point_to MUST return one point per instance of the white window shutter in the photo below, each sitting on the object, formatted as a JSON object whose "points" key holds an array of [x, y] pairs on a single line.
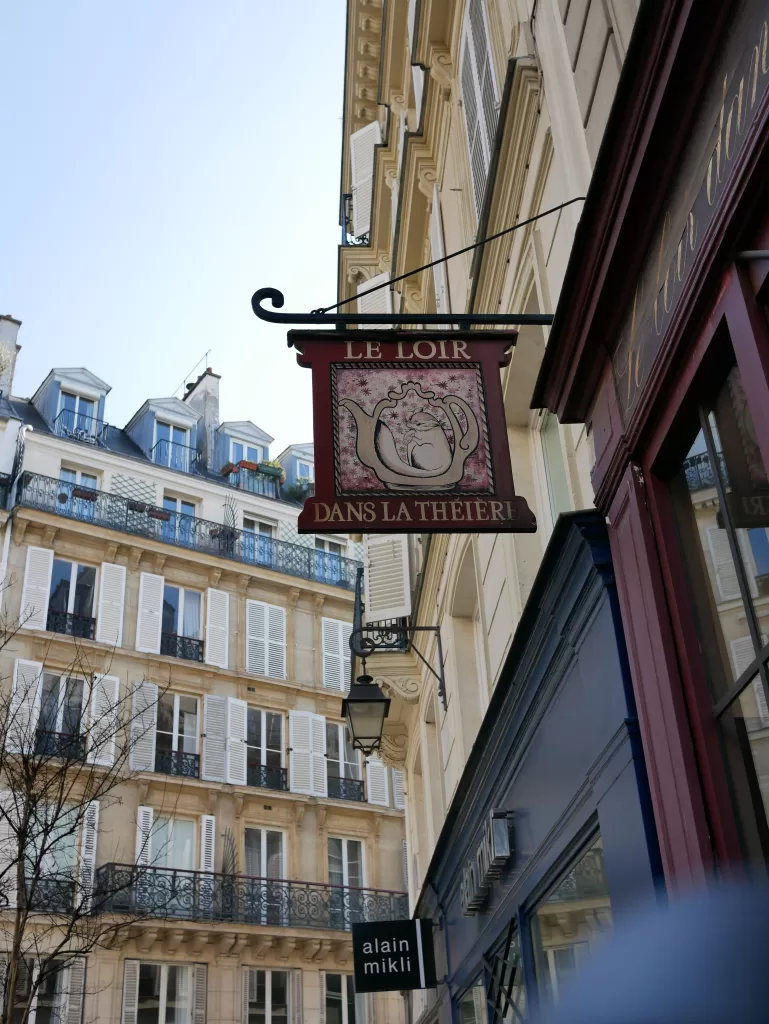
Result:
{"points": [[245, 978], [723, 564], [36, 589], [748, 561], [150, 616], [89, 830], [418, 76], [144, 818], [297, 1013], [73, 991], [144, 716], [9, 849], [335, 642], [405, 864], [237, 718], [399, 799], [386, 577], [102, 730], [322, 983], [207, 842], [217, 628], [761, 702], [319, 765], [199, 988], [109, 621], [256, 638], [362, 156], [130, 992], [377, 302], [24, 707], [743, 653], [300, 752], [276, 642], [437, 252], [214, 768], [376, 782]]}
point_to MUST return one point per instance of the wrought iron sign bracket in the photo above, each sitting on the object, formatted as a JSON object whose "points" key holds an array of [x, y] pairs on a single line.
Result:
{"points": [[395, 638]]}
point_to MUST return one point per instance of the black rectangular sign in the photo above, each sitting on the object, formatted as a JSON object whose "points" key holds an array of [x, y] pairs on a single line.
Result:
{"points": [[392, 956]]}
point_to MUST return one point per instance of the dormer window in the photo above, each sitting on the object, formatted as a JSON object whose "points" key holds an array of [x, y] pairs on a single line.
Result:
{"points": [[305, 472], [171, 447], [77, 417], [239, 451]]}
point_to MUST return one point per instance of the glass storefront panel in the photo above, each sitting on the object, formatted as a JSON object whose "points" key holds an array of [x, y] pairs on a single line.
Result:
{"points": [[573, 918], [506, 1000], [472, 1005]]}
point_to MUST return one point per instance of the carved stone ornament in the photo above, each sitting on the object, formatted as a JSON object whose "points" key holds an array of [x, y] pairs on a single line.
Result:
{"points": [[394, 744], [405, 688]]}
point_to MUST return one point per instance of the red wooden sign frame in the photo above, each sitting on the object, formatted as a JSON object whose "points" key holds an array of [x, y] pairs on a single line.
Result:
{"points": [[410, 433]]}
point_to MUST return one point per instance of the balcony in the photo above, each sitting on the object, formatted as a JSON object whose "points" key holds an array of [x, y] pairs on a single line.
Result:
{"points": [[68, 746], [80, 626], [77, 427], [254, 482], [185, 647], [51, 894], [176, 456], [699, 471], [345, 789], [239, 899], [263, 776], [128, 515], [177, 762]]}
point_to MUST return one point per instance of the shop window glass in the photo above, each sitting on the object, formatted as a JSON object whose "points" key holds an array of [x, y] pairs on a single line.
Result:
{"points": [[472, 1005], [506, 996], [555, 468], [720, 500], [574, 916]]}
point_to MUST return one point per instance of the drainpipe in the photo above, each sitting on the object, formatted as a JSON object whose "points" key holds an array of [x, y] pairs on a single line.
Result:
{"points": [[9, 523]]}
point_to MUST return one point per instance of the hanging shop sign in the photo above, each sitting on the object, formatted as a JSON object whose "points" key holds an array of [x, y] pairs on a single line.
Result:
{"points": [[491, 858], [410, 433], [393, 956]]}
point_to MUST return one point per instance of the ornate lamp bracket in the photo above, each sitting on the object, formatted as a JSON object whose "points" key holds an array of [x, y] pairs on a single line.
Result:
{"points": [[397, 637]]}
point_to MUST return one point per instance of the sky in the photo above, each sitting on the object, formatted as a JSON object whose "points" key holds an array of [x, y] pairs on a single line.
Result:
{"points": [[162, 160]]}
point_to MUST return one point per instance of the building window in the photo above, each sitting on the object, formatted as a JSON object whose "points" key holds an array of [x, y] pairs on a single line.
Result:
{"points": [[173, 844], [479, 97], [164, 995], [264, 862], [77, 414], [264, 750], [345, 862], [176, 736], [268, 997], [240, 451], [171, 447], [328, 560], [59, 995], [472, 1005], [60, 725], [72, 595], [182, 623], [719, 493], [555, 467], [571, 919], [343, 765], [342, 1005], [257, 541], [179, 528], [50, 857], [305, 472]]}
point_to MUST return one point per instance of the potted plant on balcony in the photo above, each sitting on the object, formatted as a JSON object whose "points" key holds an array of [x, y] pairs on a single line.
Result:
{"points": [[159, 513], [251, 466], [273, 468], [86, 493], [228, 468]]}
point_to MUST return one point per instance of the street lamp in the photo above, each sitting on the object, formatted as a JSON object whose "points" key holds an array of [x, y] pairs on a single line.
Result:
{"points": [[365, 708]]}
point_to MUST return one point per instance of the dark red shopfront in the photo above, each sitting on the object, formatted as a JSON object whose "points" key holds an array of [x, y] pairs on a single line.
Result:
{"points": [[661, 344]]}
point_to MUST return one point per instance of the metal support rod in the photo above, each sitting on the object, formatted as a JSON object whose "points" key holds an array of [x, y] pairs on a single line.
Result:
{"points": [[363, 647]]}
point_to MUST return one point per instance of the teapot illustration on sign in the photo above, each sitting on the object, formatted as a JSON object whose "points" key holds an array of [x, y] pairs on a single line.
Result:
{"points": [[434, 462]]}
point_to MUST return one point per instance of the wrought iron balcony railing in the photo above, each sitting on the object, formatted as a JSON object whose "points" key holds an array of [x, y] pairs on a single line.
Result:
{"points": [[345, 789], [186, 647], [177, 762], [176, 456], [137, 517], [699, 471], [80, 626], [78, 427], [52, 894], [264, 776], [66, 745], [254, 482], [200, 896]]}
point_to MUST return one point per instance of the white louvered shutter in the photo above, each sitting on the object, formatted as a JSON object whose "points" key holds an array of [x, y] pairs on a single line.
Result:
{"points": [[102, 729], [245, 978], [256, 637], [743, 653], [73, 990], [37, 588], [335, 638], [150, 616], [386, 577], [748, 561], [214, 768], [9, 850], [322, 983], [199, 990], [237, 718], [362, 155], [276, 642], [376, 782], [297, 1012], [109, 621], [380, 301], [300, 752], [144, 818], [399, 799], [207, 842], [437, 252], [24, 707], [217, 627], [130, 992], [723, 564], [761, 702], [319, 764], [144, 716], [405, 864], [479, 99], [89, 830], [418, 76]]}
